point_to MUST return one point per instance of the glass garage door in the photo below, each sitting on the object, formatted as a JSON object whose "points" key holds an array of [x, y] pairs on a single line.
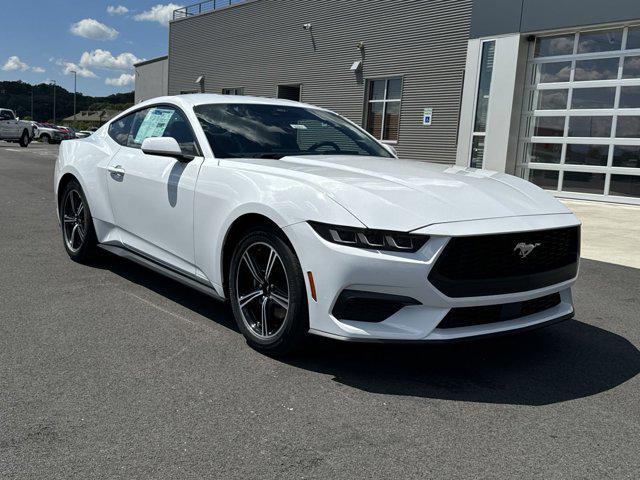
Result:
{"points": [[581, 120]]}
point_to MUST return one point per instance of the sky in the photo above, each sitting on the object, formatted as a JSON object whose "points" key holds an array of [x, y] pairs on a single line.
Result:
{"points": [[44, 40]]}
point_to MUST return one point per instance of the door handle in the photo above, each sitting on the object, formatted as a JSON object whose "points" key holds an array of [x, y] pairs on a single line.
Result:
{"points": [[117, 171]]}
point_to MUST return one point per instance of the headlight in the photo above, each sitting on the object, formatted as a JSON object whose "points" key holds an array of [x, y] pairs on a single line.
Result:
{"points": [[370, 239]]}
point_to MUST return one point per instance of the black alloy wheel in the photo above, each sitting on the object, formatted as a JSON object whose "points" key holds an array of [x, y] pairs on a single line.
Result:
{"points": [[77, 224], [268, 293]]}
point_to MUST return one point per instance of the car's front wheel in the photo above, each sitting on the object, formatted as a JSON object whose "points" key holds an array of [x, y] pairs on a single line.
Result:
{"points": [[78, 232], [268, 293], [44, 138], [24, 139]]}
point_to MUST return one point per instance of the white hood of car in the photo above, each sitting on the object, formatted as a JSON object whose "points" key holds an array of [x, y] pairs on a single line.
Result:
{"points": [[405, 195]]}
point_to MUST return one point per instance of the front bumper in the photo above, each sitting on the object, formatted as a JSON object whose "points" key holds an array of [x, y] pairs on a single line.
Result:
{"points": [[337, 268]]}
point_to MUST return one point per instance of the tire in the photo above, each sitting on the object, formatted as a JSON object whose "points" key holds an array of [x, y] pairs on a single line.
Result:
{"points": [[78, 234], [24, 139], [286, 328], [44, 138]]}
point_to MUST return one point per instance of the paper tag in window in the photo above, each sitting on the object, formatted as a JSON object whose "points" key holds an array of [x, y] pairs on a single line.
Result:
{"points": [[299, 127], [154, 124]]}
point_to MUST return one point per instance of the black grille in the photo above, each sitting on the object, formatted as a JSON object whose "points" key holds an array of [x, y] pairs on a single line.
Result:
{"points": [[492, 265], [468, 316]]}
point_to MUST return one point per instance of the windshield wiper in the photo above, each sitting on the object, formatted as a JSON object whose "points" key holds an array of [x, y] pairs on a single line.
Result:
{"points": [[274, 156]]}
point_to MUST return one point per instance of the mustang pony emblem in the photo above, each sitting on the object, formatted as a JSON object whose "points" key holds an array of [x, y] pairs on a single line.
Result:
{"points": [[525, 249]]}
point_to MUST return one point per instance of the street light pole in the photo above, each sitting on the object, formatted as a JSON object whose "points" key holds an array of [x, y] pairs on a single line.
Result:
{"points": [[75, 84], [32, 119], [53, 82]]}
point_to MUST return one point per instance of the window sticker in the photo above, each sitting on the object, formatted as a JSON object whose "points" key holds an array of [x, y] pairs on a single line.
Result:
{"points": [[154, 124]]}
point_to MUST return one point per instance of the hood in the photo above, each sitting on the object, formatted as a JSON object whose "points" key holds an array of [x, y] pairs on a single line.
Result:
{"points": [[405, 195]]}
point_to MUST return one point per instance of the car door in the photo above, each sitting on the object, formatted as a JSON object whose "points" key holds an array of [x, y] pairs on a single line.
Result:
{"points": [[152, 196], [6, 127]]}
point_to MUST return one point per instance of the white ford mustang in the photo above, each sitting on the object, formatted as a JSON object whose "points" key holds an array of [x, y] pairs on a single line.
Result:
{"points": [[307, 224]]}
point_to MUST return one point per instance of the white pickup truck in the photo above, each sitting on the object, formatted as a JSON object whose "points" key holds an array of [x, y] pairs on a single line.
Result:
{"points": [[13, 129]]}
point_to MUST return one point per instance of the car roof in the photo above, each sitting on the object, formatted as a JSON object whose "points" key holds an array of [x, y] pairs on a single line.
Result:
{"points": [[194, 99]]}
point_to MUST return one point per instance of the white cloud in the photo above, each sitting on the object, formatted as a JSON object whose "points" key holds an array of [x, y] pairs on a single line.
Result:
{"points": [[104, 59], [119, 10], [158, 13], [93, 29], [70, 67], [37, 69], [14, 63], [121, 81]]}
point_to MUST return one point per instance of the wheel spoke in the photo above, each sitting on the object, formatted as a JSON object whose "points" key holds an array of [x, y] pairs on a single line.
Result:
{"points": [[68, 219], [80, 208], [81, 233], [270, 263], [249, 297], [252, 267], [72, 204], [72, 240], [280, 300], [263, 317]]}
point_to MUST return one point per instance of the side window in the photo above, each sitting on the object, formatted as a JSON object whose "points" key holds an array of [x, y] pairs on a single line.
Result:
{"points": [[6, 115], [119, 130], [162, 122]]}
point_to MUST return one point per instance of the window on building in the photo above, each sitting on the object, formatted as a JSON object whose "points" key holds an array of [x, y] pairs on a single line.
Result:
{"points": [[581, 122], [290, 92], [482, 104], [383, 108], [233, 91]]}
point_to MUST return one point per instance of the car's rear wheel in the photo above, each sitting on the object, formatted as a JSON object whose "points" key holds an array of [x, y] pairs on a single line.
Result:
{"points": [[24, 139], [78, 233], [44, 138], [268, 293]]}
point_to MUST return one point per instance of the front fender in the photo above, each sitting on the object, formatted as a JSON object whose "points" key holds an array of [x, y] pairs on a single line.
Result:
{"points": [[223, 195]]}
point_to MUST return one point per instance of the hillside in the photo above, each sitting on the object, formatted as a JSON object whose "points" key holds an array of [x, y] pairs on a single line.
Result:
{"points": [[17, 96]]}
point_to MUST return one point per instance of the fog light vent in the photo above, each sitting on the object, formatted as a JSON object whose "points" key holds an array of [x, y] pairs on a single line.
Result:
{"points": [[373, 307]]}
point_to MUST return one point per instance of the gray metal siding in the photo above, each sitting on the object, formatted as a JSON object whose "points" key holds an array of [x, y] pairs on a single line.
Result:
{"points": [[260, 44], [151, 79], [495, 17]]}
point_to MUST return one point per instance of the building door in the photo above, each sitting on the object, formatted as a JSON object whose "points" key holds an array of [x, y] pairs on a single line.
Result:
{"points": [[289, 92], [581, 122]]}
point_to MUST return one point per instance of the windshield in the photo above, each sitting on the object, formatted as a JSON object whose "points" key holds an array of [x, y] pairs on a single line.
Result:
{"points": [[238, 130]]}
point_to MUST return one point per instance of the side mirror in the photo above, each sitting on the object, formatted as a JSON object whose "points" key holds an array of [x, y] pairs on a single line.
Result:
{"points": [[390, 149], [165, 147], [17, 119]]}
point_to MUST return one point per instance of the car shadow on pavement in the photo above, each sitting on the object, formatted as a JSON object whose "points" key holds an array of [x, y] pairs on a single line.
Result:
{"points": [[562, 362], [172, 290]]}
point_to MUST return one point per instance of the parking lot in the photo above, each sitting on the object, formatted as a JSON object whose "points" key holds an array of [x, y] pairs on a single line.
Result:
{"points": [[110, 370]]}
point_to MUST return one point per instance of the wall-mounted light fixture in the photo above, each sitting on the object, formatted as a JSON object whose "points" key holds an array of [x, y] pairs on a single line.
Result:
{"points": [[200, 81]]}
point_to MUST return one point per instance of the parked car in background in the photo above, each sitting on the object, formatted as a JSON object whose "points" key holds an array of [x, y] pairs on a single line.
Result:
{"points": [[67, 132], [48, 133], [83, 133], [12, 129]]}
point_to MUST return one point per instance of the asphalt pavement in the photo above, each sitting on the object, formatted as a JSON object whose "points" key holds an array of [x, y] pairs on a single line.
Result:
{"points": [[112, 371]]}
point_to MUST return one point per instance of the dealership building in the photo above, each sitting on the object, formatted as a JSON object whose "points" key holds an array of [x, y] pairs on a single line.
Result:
{"points": [[548, 90]]}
